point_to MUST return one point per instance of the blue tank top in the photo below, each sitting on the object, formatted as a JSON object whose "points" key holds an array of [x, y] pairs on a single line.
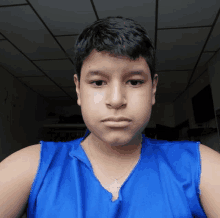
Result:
{"points": [[164, 183]]}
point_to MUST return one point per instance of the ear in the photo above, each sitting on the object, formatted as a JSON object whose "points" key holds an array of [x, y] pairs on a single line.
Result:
{"points": [[154, 88], [77, 83]]}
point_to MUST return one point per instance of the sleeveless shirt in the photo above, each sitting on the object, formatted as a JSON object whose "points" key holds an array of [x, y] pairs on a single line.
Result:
{"points": [[164, 183]]}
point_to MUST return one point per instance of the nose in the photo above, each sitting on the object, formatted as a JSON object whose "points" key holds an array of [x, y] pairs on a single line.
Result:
{"points": [[116, 96]]}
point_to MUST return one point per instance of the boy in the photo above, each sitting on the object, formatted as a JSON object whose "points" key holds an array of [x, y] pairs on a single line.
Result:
{"points": [[115, 171]]}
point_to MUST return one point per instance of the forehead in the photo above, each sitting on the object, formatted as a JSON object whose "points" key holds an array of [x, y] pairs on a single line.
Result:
{"points": [[106, 61]]}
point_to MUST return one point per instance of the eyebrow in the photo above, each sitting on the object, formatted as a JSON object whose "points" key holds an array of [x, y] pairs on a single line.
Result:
{"points": [[97, 72]]}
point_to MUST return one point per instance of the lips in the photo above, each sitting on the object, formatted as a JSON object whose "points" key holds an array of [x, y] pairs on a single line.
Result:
{"points": [[116, 119], [117, 124]]}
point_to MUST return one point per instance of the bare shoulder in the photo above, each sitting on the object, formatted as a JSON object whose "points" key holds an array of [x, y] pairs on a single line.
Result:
{"points": [[27, 157], [33, 153], [33, 150], [17, 173], [210, 181]]}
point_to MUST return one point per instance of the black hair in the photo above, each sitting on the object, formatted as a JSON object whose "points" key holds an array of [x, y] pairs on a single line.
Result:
{"points": [[118, 36]]}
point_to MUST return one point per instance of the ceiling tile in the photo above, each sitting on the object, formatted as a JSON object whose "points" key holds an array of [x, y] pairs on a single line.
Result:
{"points": [[61, 71], [65, 101], [49, 93], [166, 98], [64, 98], [71, 91], [12, 2], [1, 36], [205, 57], [183, 13], [21, 26], [66, 16], [214, 40], [173, 81], [68, 42], [142, 11], [201, 65], [38, 81], [43, 85], [202, 76], [179, 49], [16, 62], [197, 73]]}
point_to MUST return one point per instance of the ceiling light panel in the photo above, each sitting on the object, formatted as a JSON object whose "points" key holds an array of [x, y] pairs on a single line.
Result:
{"points": [[66, 16], [16, 62], [142, 11], [214, 40], [12, 2], [61, 71], [182, 13], [179, 49], [23, 28]]}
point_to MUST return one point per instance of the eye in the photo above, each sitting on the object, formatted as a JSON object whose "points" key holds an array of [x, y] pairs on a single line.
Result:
{"points": [[139, 81], [97, 81], [133, 81]]}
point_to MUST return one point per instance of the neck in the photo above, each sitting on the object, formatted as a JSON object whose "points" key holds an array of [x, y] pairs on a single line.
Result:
{"points": [[106, 152]]}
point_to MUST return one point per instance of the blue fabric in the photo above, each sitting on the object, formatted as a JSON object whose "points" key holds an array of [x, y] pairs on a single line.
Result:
{"points": [[164, 183]]}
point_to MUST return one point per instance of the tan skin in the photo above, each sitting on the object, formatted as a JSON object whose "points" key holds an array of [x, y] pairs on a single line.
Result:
{"points": [[116, 95]]}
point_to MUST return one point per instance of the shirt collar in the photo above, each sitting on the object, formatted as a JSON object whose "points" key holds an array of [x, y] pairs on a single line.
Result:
{"points": [[78, 152]]}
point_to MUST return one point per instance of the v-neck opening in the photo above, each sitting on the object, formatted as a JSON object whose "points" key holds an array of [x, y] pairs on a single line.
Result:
{"points": [[131, 173]]}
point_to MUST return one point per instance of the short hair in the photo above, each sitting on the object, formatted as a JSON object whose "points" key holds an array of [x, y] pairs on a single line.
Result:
{"points": [[118, 36]]}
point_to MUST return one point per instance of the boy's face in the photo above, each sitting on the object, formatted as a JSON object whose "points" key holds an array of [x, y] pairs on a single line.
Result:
{"points": [[115, 96]]}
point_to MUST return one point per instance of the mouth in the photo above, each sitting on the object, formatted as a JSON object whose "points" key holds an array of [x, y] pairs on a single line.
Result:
{"points": [[121, 124], [116, 119]]}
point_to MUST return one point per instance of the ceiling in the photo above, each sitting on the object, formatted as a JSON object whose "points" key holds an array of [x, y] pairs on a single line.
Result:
{"points": [[37, 39]]}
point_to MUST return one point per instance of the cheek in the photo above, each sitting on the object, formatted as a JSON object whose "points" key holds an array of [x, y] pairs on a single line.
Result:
{"points": [[91, 97], [142, 107], [98, 97], [140, 99]]}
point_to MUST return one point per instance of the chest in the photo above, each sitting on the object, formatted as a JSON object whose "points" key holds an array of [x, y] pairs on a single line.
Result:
{"points": [[107, 178], [148, 192]]}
